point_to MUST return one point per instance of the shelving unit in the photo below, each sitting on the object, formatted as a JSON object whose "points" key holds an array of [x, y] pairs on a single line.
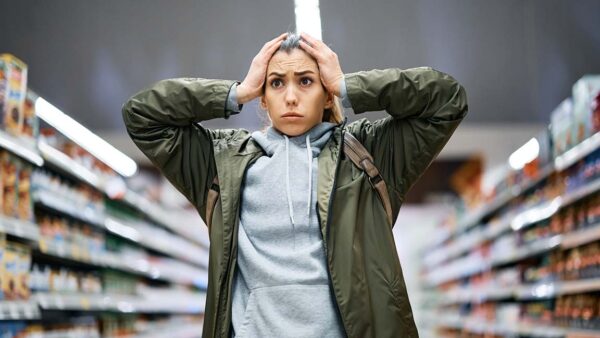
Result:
{"points": [[464, 266], [169, 258]]}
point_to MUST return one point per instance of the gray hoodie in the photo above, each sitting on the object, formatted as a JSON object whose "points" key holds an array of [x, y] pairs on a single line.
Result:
{"points": [[281, 286]]}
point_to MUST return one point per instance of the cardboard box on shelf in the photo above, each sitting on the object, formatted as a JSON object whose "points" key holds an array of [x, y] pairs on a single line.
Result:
{"points": [[31, 127], [8, 170], [586, 94], [561, 127], [13, 89], [3, 274], [24, 202]]}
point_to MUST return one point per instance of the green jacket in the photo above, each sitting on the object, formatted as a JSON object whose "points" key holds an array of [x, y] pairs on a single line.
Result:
{"points": [[425, 107]]}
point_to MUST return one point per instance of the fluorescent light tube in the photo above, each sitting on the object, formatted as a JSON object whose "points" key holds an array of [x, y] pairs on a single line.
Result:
{"points": [[89, 141], [308, 17], [527, 153]]}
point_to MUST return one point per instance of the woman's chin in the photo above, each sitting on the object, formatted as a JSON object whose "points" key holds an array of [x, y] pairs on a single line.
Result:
{"points": [[293, 129]]}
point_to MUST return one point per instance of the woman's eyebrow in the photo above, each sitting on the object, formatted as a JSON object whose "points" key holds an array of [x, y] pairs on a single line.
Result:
{"points": [[295, 73]]}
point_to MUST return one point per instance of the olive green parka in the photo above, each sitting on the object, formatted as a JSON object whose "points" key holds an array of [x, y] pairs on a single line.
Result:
{"points": [[424, 105]]}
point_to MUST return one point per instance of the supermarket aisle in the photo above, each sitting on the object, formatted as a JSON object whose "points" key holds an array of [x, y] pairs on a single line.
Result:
{"points": [[523, 259]]}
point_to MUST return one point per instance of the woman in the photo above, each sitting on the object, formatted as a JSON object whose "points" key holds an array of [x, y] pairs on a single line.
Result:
{"points": [[300, 242]]}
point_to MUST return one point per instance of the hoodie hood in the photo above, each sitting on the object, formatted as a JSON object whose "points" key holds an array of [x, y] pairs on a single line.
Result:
{"points": [[271, 139], [313, 141]]}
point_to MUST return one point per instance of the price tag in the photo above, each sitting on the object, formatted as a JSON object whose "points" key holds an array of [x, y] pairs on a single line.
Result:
{"points": [[43, 245], [18, 228], [85, 303], [60, 302], [13, 310], [75, 252]]}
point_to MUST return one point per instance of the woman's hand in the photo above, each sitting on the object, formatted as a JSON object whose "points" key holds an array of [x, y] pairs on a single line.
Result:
{"points": [[327, 60], [251, 87]]}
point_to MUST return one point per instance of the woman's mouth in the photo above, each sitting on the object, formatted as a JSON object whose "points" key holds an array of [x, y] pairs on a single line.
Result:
{"points": [[291, 116]]}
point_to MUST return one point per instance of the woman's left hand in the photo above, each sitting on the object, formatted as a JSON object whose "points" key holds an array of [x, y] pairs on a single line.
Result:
{"points": [[327, 60]]}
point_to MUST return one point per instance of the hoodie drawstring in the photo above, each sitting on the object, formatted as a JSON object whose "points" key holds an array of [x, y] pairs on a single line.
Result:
{"points": [[309, 154], [287, 182]]}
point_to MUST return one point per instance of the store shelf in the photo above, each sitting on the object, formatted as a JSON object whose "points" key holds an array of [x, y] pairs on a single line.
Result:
{"points": [[520, 221], [19, 310], [468, 266], [478, 325], [158, 214], [467, 242], [580, 237], [553, 289], [67, 165], [118, 303], [164, 242], [122, 229], [562, 162], [186, 330], [154, 211], [501, 200], [19, 228], [191, 276], [578, 152], [24, 148], [520, 292], [528, 250], [84, 214], [80, 302]]}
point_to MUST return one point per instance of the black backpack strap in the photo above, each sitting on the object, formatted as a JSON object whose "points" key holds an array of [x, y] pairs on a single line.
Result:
{"points": [[363, 159]]}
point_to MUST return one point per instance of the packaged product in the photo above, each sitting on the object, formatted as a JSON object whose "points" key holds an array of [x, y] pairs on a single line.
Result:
{"points": [[24, 202], [11, 267], [9, 184], [13, 89], [3, 156], [561, 121], [3, 274], [586, 96], [24, 265], [31, 127]]}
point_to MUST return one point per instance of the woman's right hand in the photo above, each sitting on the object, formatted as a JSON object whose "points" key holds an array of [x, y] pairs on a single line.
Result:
{"points": [[251, 87]]}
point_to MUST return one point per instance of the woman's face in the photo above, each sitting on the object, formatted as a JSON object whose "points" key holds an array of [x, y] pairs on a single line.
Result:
{"points": [[294, 96]]}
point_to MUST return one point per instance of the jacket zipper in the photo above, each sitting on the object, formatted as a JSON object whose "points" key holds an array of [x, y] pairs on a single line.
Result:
{"points": [[327, 225]]}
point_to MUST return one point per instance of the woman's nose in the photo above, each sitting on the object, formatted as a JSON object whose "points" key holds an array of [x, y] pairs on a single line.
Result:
{"points": [[290, 95]]}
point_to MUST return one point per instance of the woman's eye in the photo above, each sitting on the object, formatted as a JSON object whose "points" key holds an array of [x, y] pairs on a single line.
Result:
{"points": [[276, 83], [305, 81]]}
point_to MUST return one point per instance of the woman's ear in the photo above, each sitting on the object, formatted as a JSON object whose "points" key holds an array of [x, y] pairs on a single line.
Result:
{"points": [[329, 100], [263, 103]]}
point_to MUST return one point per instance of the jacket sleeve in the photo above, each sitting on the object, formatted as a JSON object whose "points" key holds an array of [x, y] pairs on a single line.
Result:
{"points": [[425, 107], [163, 122]]}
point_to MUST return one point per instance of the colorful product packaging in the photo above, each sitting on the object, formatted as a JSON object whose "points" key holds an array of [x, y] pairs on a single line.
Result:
{"points": [[3, 274], [16, 263], [31, 126], [8, 170], [13, 90], [24, 201], [561, 121], [586, 108]]}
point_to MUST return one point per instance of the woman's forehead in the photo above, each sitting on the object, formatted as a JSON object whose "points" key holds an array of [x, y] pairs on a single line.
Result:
{"points": [[295, 61]]}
